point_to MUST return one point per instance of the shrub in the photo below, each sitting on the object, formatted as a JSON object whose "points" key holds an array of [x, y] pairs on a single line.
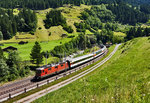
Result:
{"points": [[40, 28]]}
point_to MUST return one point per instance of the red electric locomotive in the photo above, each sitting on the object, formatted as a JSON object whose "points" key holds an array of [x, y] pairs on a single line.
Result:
{"points": [[48, 70]]}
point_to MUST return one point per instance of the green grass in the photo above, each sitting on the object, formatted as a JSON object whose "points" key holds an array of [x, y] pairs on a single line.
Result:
{"points": [[124, 78], [120, 34], [57, 81], [88, 32], [25, 50]]}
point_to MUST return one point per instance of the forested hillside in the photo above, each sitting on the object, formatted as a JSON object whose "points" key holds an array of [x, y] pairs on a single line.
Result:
{"points": [[10, 24], [43, 4], [55, 18], [128, 15], [98, 17]]}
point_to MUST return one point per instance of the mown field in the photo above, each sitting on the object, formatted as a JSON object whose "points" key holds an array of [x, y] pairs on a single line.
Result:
{"points": [[25, 50], [124, 78]]}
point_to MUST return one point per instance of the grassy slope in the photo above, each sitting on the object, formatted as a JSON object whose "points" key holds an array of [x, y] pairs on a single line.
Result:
{"points": [[124, 78], [72, 14], [119, 34]]}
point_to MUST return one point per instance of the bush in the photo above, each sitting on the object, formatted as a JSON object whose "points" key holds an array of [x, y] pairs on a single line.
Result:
{"points": [[50, 33], [12, 77], [71, 36], [31, 32], [40, 28], [22, 72]]}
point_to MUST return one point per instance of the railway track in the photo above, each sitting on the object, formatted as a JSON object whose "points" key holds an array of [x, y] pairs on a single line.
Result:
{"points": [[17, 88], [65, 82]]}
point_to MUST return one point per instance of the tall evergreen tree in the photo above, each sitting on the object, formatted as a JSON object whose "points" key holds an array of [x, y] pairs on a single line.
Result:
{"points": [[36, 54]]}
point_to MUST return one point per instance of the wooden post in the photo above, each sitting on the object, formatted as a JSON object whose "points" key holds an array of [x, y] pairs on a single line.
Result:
{"points": [[25, 90], [47, 81], [9, 96], [37, 85], [56, 78]]}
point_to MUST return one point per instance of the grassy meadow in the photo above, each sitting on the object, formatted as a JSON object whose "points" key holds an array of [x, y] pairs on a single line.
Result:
{"points": [[124, 78], [25, 50]]}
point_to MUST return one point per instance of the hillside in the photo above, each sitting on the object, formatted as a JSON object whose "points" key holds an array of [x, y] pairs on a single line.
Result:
{"points": [[124, 78], [71, 13]]}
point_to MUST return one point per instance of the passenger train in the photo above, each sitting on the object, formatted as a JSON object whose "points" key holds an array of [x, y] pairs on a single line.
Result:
{"points": [[47, 70]]}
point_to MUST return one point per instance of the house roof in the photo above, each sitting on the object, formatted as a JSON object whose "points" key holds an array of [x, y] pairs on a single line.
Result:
{"points": [[10, 48]]}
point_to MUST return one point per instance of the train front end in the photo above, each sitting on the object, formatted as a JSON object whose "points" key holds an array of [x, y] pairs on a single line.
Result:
{"points": [[38, 74]]}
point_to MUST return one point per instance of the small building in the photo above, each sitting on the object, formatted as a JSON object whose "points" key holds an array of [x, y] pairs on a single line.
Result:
{"points": [[64, 35], [22, 42], [108, 44], [9, 48]]}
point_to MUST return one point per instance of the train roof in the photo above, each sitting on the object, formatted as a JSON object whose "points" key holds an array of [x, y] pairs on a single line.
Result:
{"points": [[81, 57], [43, 67], [85, 56], [46, 66]]}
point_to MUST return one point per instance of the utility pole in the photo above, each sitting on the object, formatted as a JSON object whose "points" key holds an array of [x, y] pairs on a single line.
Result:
{"points": [[46, 58], [65, 59], [85, 40]]}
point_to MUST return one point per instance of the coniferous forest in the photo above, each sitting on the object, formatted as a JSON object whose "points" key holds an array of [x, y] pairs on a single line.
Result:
{"points": [[43, 4], [10, 24], [55, 18]]}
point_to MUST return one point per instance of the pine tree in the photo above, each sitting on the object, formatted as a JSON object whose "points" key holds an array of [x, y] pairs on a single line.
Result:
{"points": [[36, 55]]}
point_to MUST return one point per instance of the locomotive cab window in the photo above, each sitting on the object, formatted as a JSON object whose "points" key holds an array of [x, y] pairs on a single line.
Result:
{"points": [[62, 65], [56, 67], [43, 71], [49, 69], [38, 71]]}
